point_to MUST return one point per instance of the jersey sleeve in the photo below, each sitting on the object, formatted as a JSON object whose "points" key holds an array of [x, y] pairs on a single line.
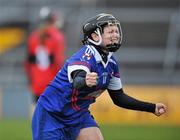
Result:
{"points": [[80, 61], [78, 65], [115, 81]]}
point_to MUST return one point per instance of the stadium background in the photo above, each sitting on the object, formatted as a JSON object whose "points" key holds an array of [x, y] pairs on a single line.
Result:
{"points": [[149, 61]]}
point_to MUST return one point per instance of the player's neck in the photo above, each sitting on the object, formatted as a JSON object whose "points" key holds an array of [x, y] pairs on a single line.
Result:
{"points": [[103, 53]]}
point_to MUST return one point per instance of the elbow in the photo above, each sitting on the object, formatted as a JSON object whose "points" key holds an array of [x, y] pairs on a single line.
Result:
{"points": [[116, 102], [77, 86]]}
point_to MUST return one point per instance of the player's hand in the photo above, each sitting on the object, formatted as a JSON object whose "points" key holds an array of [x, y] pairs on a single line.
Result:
{"points": [[160, 109], [91, 79]]}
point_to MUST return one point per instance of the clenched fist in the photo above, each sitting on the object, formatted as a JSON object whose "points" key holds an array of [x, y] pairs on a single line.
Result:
{"points": [[91, 79], [160, 109]]}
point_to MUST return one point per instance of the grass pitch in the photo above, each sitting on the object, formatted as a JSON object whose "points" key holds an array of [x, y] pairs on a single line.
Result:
{"points": [[21, 130], [141, 132]]}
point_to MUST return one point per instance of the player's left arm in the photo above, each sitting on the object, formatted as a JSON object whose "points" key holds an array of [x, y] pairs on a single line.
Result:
{"points": [[123, 100]]}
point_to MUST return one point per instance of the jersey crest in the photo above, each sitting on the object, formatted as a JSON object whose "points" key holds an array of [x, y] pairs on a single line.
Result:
{"points": [[87, 55]]}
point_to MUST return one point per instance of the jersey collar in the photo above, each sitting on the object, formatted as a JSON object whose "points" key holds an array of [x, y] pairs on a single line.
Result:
{"points": [[98, 56]]}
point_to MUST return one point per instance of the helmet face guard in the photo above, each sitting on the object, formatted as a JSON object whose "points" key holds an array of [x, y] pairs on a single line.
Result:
{"points": [[96, 25]]}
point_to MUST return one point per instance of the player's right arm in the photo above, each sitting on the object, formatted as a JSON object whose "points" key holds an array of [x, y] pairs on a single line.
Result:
{"points": [[82, 79]]}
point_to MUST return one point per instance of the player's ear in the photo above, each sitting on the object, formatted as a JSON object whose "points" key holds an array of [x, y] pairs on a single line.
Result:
{"points": [[95, 37]]}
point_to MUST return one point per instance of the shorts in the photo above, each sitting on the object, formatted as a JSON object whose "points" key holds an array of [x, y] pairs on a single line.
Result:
{"points": [[47, 127]]}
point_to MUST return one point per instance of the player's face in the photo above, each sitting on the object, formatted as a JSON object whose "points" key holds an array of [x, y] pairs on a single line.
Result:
{"points": [[110, 35]]}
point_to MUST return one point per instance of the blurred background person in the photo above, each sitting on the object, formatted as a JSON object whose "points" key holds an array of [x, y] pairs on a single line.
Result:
{"points": [[45, 52]]}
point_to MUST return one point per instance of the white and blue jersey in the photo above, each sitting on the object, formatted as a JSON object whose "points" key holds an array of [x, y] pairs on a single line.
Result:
{"points": [[70, 100], [65, 104]]}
